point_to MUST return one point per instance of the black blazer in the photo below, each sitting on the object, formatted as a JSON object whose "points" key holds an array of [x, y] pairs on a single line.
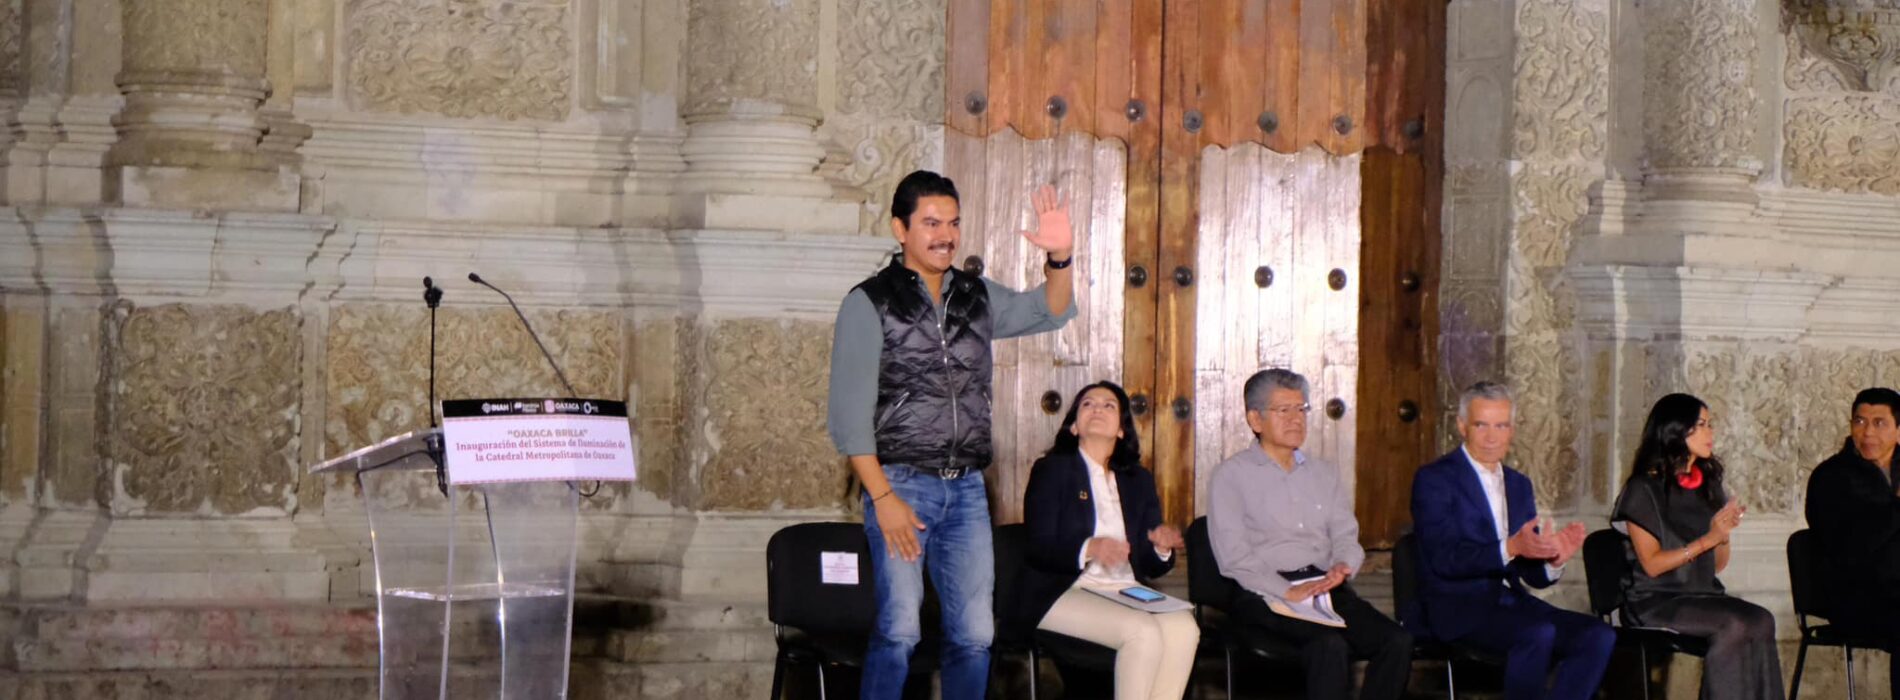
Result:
{"points": [[1856, 521], [1059, 510]]}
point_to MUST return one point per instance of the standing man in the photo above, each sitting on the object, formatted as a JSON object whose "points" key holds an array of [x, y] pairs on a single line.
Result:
{"points": [[1277, 515], [910, 407], [1854, 510], [1473, 570]]}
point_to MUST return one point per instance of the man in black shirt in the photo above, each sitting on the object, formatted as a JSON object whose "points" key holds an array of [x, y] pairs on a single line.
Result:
{"points": [[1854, 511]]}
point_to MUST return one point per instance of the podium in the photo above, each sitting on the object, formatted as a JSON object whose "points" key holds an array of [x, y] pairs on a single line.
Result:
{"points": [[475, 588]]}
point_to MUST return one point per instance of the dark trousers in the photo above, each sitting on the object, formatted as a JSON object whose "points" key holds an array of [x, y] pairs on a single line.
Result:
{"points": [[1536, 638], [1327, 652], [1742, 663]]}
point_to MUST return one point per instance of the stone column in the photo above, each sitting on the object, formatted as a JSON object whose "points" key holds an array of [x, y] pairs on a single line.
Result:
{"points": [[190, 132], [751, 109], [1700, 103]]}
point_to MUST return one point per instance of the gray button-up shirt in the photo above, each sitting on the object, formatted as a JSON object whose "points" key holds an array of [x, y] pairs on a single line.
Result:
{"points": [[1263, 519], [857, 349]]}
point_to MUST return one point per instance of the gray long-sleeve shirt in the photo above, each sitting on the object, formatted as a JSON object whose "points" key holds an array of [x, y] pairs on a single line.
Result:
{"points": [[1263, 519], [857, 350]]}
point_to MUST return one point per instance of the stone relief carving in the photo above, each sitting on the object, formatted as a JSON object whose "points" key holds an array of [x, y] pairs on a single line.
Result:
{"points": [[498, 59], [1848, 143], [761, 395], [378, 355], [658, 387], [1563, 79], [204, 408], [1541, 369], [1550, 200], [1861, 38], [881, 153], [1803, 71], [891, 58], [1748, 396], [12, 32], [1699, 104], [195, 36], [777, 62]]}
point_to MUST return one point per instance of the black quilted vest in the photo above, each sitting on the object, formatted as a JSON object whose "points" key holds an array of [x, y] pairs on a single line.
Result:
{"points": [[933, 385]]}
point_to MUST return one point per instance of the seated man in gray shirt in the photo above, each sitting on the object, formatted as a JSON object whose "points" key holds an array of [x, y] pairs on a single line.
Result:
{"points": [[1276, 515]]}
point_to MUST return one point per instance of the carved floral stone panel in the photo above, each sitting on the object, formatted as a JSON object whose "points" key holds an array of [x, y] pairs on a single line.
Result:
{"points": [[1542, 369], [12, 47], [204, 36], [891, 58], [761, 393], [497, 59], [1699, 90], [204, 409], [1845, 143], [1563, 79], [753, 53], [378, 356]]}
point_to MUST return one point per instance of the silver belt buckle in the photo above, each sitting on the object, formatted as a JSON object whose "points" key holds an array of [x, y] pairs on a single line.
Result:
{"points": [[950, 474]]}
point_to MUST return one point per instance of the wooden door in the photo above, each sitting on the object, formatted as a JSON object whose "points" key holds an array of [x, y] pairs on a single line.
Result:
{"points": [[1254, 184]]}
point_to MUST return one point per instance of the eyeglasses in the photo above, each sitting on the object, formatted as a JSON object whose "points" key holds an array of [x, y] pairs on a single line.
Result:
{"points": [[1290, 409]]}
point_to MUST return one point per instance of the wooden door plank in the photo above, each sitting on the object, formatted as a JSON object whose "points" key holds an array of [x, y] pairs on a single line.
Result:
{"points": [[967, 64], [1141, 246], [1349, 75], [1318, 104], [1219, 67], [1006, 30], [1245, 73], [1282, 74], [1180, 177], [1114, 69]]}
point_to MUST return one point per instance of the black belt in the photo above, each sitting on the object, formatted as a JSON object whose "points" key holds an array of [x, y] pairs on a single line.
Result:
{"points": [[946, 474]]}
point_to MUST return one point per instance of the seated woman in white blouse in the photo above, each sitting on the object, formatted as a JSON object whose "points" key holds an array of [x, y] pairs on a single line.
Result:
{"points": [[1094, 521]]}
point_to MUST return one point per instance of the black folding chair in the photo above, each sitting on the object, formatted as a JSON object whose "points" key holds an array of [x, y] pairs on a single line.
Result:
{"points": [[1605, 567], [1012, 547], [1405, 597], [823, 624], [1212, 595], [1804, 571]]}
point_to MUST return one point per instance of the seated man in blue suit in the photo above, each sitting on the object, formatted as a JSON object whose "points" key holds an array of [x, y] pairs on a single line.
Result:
{"points": [[1472, 574]]}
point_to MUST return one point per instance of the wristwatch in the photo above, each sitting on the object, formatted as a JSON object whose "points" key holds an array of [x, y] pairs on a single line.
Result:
{"points": [[1064, 265]]}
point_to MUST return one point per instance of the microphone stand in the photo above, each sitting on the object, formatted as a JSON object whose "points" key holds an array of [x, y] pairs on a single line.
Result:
{"points": [[432, 295], [536, 337]]}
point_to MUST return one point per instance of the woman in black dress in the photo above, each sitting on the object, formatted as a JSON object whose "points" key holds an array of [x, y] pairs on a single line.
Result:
{"points": [[1678, 518]]}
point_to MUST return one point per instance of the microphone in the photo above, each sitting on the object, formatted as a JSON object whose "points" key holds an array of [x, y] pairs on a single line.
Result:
{"points": [[472, 277], [431, 295]]}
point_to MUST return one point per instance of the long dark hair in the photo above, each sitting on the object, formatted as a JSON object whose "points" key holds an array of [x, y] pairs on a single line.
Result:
{"points": [[1666, 446], [1127, 453]]}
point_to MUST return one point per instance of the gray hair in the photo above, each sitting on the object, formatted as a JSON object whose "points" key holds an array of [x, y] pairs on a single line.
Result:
{"points": [[1489, 391], [1265, 381]]}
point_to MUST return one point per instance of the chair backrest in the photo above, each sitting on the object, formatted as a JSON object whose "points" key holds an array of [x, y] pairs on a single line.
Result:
{"points": [[795, 591], [1011, 545], [1206, 585], [1606, 566], [1405, 574], [1804, 577]]}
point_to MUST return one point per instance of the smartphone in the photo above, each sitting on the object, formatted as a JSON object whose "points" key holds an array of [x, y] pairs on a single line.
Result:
{"points": [[1144, 595]]}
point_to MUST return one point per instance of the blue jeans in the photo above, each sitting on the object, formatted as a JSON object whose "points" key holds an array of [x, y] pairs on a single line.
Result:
{"points": [[956, 547]]}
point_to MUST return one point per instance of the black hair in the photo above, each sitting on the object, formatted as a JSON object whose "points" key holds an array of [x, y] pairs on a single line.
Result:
{"points": [[1665, 446], [918, 185], [1127, 453], [1877, 396]]}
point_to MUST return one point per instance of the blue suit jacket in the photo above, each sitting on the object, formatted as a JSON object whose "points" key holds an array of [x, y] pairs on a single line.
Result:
{"points": [[1060, 515], [1462, 572]]}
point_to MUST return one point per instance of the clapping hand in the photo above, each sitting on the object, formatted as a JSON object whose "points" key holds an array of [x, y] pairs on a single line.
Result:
{"points": [[1531, 544], [1569, 540], [1727, 519], [1110, 553], [1053, 234], [1167, 538]]}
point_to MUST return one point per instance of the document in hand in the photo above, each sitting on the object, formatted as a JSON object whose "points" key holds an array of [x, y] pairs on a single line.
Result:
{"points": [[1317, 609]]}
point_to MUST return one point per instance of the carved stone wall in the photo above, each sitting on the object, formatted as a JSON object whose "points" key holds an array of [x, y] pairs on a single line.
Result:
{"points": [[889, 114], [742, 53], [193, 77], [1699, 100], [759, 394], [204, 410], [1837, 137], [497, 59]]}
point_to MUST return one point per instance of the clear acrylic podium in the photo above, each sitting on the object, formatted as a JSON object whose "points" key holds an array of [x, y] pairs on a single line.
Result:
{"points": [[474, 590]]}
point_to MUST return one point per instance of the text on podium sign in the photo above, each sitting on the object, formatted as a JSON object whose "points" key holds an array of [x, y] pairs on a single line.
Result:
{"points": [[489, 441]]}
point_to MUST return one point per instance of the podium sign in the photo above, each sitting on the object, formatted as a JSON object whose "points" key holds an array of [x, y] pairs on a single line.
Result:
{"points": [[488, 441]]}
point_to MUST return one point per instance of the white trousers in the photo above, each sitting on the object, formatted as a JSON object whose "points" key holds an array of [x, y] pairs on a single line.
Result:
{"points": [[1154, 653]]}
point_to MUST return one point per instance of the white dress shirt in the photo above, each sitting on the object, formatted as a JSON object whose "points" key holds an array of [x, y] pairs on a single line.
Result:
{"points": [[1491, 477], [1108, 523]]}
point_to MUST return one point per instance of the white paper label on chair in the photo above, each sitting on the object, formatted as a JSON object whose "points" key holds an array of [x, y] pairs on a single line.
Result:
{"points": [[503, 440], [839, 568]]}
